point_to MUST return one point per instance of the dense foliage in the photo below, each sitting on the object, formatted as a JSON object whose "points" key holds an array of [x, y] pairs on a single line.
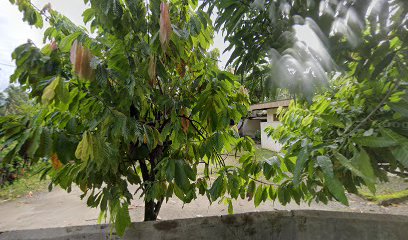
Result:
{"points": [[358, 130], [12, 101], [140, 100], [289, 44]]}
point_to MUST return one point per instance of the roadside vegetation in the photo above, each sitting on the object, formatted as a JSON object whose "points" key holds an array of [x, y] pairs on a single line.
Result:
{"points": [[394, 191], [27, 184], [13, 101]]}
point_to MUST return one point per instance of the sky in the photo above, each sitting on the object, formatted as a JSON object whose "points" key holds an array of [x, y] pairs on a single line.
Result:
{"points": [[14, 32]]}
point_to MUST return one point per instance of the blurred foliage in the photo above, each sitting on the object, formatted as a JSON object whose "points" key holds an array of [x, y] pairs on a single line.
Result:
{"points": [[291, 44], [344, 136], [27, 184], [359, 127], [13, 100]]}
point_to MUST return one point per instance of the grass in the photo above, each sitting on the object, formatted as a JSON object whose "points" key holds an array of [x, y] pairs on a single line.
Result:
{"points": [[386, 199], [387, 193], [29, 182]]}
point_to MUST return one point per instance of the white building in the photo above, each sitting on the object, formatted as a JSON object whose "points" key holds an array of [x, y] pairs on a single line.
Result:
{"points": [[263, 115]]}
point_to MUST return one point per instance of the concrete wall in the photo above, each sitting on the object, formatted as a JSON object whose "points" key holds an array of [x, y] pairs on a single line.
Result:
{"points": [[277, 225], [270, 115], [268, 142], [250, 127]]}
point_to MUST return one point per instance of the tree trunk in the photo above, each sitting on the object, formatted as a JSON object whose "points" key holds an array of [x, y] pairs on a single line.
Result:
{"points": [[152, 210]]}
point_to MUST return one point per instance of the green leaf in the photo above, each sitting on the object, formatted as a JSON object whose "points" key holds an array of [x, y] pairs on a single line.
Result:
{"points": [[267, 169], [171, 169], [49, 91], [234, 184], [191, 174], [307, 120], [401, 154], [393, 135], [66, 42], [195, 26], [258, 196], [84, 150], [230, 207], [180, 176], [65, 147], [400, 107], [382, 65], [39, 23], [334, 120], [362, 161], [272, 193], [179, 193], [122, 219], [375, 142], [251, 190], [34, 142], [300, 164], [333, 184], [88, 14], [217, 188], [46, 143], [151, 141], [20, 142], [348, 165]]}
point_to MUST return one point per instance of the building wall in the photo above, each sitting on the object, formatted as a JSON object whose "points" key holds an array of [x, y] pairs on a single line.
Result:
{"points": [[270, 115], [250, 127], [266, 141]]}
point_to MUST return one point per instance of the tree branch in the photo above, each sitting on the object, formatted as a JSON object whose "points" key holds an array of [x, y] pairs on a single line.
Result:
{"points": [[192, 121], [265, 183], [389, 92]]}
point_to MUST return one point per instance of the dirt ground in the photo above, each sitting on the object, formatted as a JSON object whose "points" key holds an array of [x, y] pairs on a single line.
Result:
{"points": [[59, 209]]}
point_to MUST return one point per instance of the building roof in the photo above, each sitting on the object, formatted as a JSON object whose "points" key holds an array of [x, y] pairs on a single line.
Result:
{"points": [[269, 105]]}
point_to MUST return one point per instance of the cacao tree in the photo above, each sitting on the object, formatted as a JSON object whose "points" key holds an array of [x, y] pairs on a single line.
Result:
{"points": [[139, 100]]}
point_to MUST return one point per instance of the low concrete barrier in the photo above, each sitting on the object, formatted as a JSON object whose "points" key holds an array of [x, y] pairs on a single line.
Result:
{"points": [[276, 225]]}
